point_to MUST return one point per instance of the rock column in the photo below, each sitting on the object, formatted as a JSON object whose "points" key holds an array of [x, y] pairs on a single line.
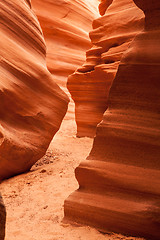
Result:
{"points": [[120, 180], [90, 84], [32, 105]]}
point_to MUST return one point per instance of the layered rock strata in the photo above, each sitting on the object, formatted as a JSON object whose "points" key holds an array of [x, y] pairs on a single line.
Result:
{"points": [[89, 85], [32, 105], [2, 219], [66, 25], [120, 180]]}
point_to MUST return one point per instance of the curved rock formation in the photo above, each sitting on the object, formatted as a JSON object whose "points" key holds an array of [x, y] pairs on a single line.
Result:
{"points": [[32, 105], [120, 180], [2, 219], [89, 85], [66, 25]]}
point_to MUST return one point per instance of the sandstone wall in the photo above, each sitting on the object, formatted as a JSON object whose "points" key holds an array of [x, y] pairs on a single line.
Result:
{"points": [[32, 105], [120, 180], [66, 26], [89, 85]]}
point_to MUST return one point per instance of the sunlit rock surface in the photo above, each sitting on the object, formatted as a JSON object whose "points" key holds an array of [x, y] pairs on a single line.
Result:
{"points": [[89, 85], [120, 180], [32, 106], [66, 25]]}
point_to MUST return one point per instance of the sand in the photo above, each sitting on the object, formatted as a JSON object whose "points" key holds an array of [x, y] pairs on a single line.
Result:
{"points": [[34, 200]]}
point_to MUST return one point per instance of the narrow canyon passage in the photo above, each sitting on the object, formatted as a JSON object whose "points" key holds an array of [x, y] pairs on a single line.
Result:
{"points": [[109, 179], [35, 200]]}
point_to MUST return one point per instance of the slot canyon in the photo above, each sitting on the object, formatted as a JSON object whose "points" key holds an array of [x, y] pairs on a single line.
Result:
{"points": [[79, 120]]}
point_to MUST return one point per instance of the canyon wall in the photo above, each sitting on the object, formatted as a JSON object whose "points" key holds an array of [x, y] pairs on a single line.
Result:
{"points": [[2, 219], [119, 183], [66, 26], [89, 85], [32, 105]]}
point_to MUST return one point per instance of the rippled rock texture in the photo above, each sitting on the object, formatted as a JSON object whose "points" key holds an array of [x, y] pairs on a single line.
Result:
{"points": [[120, 180], [2, 219], [90, 84], [66, 24], [32, 105]]}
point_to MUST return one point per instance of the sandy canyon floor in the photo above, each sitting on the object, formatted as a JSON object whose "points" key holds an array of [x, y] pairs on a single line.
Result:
{"points": [[34, 200]]}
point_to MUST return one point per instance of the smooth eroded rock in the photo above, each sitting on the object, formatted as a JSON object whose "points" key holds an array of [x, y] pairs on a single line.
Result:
{"points": [[90, 84], [32, 105], [120, 180], [66, 25]]}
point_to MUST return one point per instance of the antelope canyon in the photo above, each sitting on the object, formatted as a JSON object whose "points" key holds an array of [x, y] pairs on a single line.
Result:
{"points": [[65, 26], [103, 56], [119, 183], [90, 84], [32, 105]]}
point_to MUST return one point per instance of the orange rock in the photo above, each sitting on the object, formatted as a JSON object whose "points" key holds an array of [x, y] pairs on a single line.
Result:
{"points": [[89, 85], [66, 25], [104, 5], [120, 180], [32, 105]]}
